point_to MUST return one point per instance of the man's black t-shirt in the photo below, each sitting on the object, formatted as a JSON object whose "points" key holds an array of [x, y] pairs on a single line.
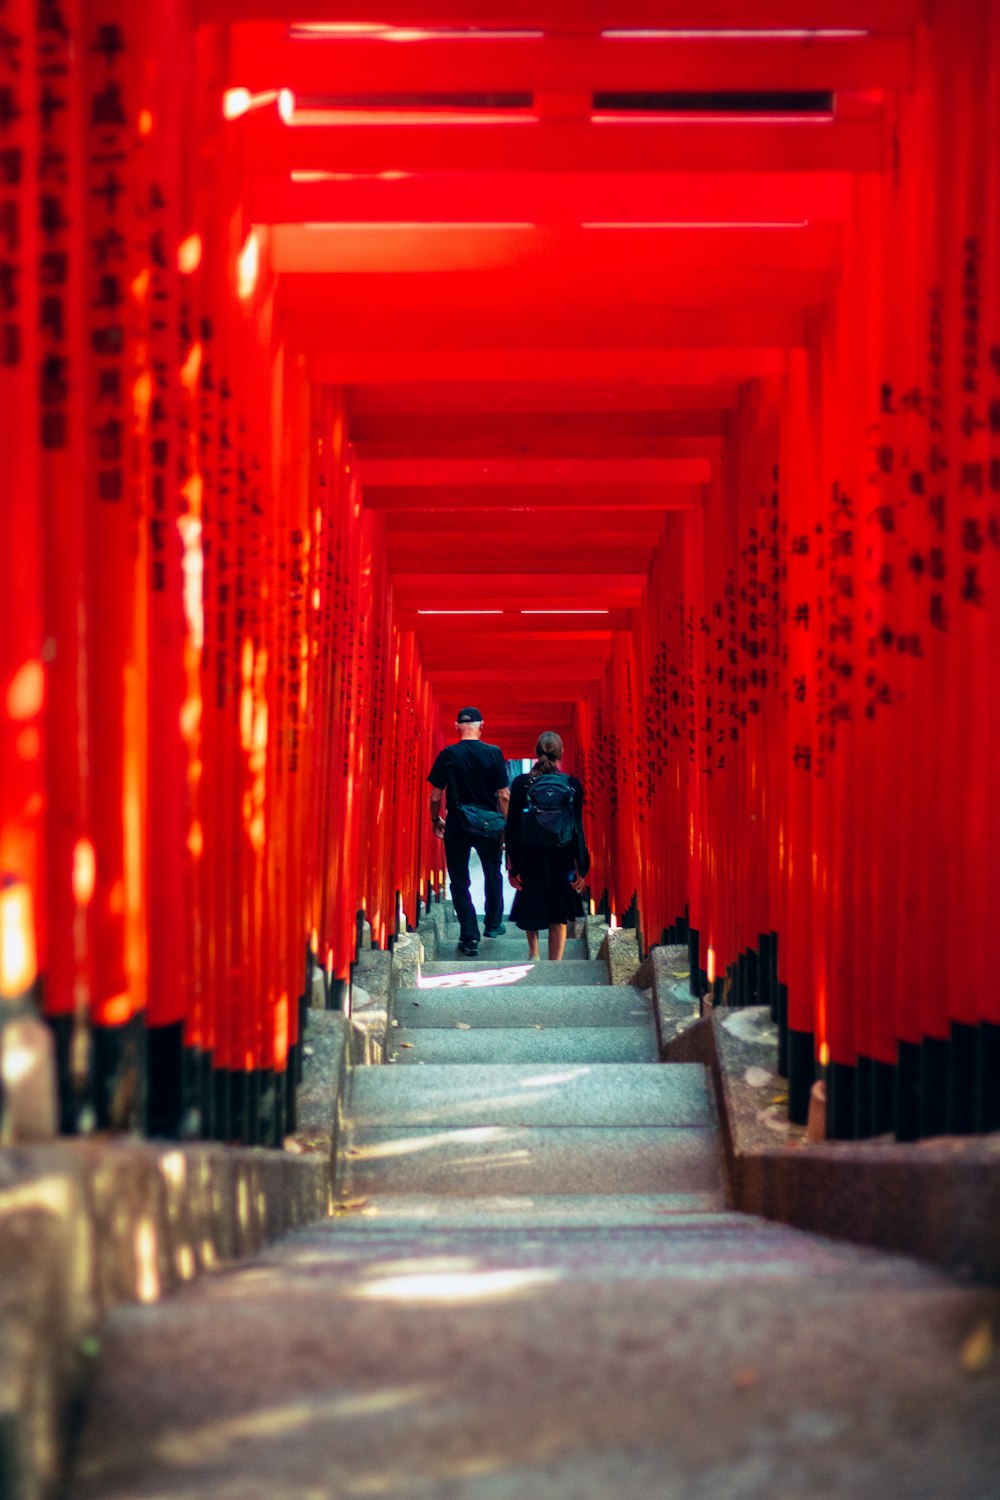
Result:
{"points": [[477, 772]]}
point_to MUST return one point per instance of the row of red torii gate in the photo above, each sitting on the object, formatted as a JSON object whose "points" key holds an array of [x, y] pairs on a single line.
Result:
{"points": [[635, 375]]}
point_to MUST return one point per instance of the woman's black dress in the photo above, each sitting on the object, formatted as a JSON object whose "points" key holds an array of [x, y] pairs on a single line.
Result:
{"points": [[546, 895]]}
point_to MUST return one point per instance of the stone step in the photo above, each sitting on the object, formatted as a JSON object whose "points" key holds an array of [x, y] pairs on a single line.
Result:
{"points": [[405, 1213], [494, 1159], [476, 974], [607, 1095], [513, 947], [511, 1044], [690, 1356], [524, 1005]]}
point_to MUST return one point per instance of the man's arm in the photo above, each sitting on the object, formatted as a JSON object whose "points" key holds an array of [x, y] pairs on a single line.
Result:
{"points": [[436, 818], [503, 799]]}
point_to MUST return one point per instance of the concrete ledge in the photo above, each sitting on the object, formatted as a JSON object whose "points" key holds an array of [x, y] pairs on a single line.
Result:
{"points": [[938, 1200], [88, 1225], [333, 1045], [370, 989]]}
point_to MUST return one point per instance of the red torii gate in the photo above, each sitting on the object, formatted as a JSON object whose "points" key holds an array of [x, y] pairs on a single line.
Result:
{"points": [[313, 334]]}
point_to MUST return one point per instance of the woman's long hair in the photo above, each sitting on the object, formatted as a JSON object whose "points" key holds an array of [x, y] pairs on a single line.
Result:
{"points": [[549, 751]]}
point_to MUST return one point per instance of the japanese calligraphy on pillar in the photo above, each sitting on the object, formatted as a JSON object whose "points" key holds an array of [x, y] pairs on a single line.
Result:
{"points": [[14, 168], [55, 121], [109, 253]]}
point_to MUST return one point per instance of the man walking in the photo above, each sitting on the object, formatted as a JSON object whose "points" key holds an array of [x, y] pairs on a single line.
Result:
{"points": [[475, 776]]}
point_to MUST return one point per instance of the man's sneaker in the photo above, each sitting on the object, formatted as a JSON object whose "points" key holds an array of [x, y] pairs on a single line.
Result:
{"points": [[494, 931], [468, 950]]}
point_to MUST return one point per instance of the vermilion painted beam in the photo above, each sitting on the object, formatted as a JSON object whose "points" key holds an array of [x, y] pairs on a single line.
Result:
{"points": [[561, 328], [625, 364], [538, 400], [574, 146], [261, 58], [502, 682], [575, 17], [527, 262], [516, 525], [499, 627], [590, 497], [541, 198], [436, 647], [430, 472], [666, 434], [515, 591], [613, 563]]}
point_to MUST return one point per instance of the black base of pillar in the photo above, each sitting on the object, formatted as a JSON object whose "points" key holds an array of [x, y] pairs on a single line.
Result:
{"points": [[801, 1074], [782, 1020], [236, 1092], [303, 1029], [962, 1058], [765, 994], [117, 1082], [841, 1101], [693, 963], [165, 1075], [907, 1101], [753, 977], [883, 1097], [292, 1092], [266, 1107], [251, 1108], [933, 1087], [336, 998], [69, 1105], [864, 1090], [988, 1078]]}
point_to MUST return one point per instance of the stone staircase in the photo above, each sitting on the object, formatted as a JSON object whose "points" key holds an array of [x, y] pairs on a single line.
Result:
{"points": [[533, 1290]]}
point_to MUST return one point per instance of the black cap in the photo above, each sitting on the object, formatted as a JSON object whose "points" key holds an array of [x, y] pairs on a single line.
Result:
{"points": [[469, 716]]}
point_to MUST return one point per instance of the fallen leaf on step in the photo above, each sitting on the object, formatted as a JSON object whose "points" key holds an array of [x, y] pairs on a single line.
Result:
{"points": [[539, 1028], [415, 1002], [369, 1213], [406, 1044], [680, 973], [978, 1349], [462, 1026], [349, 1205], [394, 1021], [779, 1099], [745, 1378], [308, 1051]]}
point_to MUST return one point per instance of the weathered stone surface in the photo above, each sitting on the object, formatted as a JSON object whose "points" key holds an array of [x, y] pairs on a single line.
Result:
{"points": [[938, 1200], [620, 948], [531, 1159], [511, 1044], [606, 1095], [721, 1360], [88, 1225]]}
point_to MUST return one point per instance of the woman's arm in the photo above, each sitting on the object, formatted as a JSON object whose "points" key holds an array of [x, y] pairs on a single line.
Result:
{"points": [[580, 838], [512, 837]]}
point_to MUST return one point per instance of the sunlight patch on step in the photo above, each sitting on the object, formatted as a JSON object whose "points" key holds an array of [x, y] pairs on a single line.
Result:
{"points": [[475, 979], [453, 1286]]}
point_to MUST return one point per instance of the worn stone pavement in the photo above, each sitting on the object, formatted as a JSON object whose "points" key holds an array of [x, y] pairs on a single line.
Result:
{"points": [[534, 1289]]}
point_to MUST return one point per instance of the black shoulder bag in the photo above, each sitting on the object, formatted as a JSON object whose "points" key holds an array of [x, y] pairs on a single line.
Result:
{"points": [[480, 822]]}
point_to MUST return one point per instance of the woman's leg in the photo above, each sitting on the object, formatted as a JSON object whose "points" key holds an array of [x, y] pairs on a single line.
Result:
{"points": [[557, 940], [532, 944]]}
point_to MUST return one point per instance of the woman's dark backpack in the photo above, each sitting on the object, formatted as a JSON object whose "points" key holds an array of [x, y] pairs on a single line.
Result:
{"points": [[547, 820]]}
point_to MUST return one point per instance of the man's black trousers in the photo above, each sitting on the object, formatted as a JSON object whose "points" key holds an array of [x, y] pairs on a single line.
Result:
{"points": [[457, 847]]}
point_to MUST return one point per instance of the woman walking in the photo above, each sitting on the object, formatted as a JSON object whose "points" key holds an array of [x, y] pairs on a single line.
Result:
{"points": [[547, 858]]}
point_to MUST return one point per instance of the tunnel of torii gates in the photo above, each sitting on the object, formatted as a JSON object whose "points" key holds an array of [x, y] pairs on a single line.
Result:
{"points": [[628, 368]]}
